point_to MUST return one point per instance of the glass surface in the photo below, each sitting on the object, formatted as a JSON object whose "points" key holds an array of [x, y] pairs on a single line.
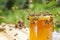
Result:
{"points": [[44, 28]]}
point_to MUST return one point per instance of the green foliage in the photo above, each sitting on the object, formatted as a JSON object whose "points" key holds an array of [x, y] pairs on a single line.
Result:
{"points": [[56, 28], [1, 20], [51, 4], [11, 16]]}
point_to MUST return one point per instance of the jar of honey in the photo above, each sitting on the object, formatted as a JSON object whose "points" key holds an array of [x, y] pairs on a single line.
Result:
{"points": [[41, 27]]}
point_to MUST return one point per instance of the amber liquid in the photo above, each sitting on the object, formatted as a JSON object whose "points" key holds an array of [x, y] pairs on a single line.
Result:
{"points": [[33, 35], [44, 30]]}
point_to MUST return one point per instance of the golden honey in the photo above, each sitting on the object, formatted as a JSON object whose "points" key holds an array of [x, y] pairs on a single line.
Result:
{"points": [[33, 35], [44, 28]]}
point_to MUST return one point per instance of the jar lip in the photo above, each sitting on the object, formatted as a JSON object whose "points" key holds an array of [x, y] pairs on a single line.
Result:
{"points": [[35, 14], [47, 14], [41, 16]]}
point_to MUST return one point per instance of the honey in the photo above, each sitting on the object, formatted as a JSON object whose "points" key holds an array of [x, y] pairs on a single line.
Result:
{"points": [[44, 29], [33, 35]]}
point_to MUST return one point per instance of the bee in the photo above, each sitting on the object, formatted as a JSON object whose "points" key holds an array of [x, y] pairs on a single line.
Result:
{"points": [[47, 2], [14, 39], [28, 16], [20, 25], [15, 34], [46, 22], [54, 7], [51, 19], [10, 29], [56, 15], [2, 29]]}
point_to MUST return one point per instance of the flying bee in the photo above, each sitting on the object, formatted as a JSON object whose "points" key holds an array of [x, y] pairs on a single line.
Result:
{"points": [[57, 14], [47, 2]]}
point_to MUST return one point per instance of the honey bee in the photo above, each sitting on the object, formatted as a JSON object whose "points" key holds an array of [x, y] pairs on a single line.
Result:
{"points": [[2, 29], [15, 34], [46, 22], [47, 2], [29, 15], [58, 13], [49, 21], [20, 25]]}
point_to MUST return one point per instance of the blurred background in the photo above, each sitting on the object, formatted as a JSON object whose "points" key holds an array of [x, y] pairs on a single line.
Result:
{"points": [[14, 10]]}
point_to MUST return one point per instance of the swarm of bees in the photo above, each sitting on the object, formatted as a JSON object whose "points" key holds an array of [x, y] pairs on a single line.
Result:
{"points": [[36, 16], [20, 24]]}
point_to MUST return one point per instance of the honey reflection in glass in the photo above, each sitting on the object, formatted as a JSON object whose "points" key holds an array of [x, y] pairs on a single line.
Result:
{"points": [[33, 35]]}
